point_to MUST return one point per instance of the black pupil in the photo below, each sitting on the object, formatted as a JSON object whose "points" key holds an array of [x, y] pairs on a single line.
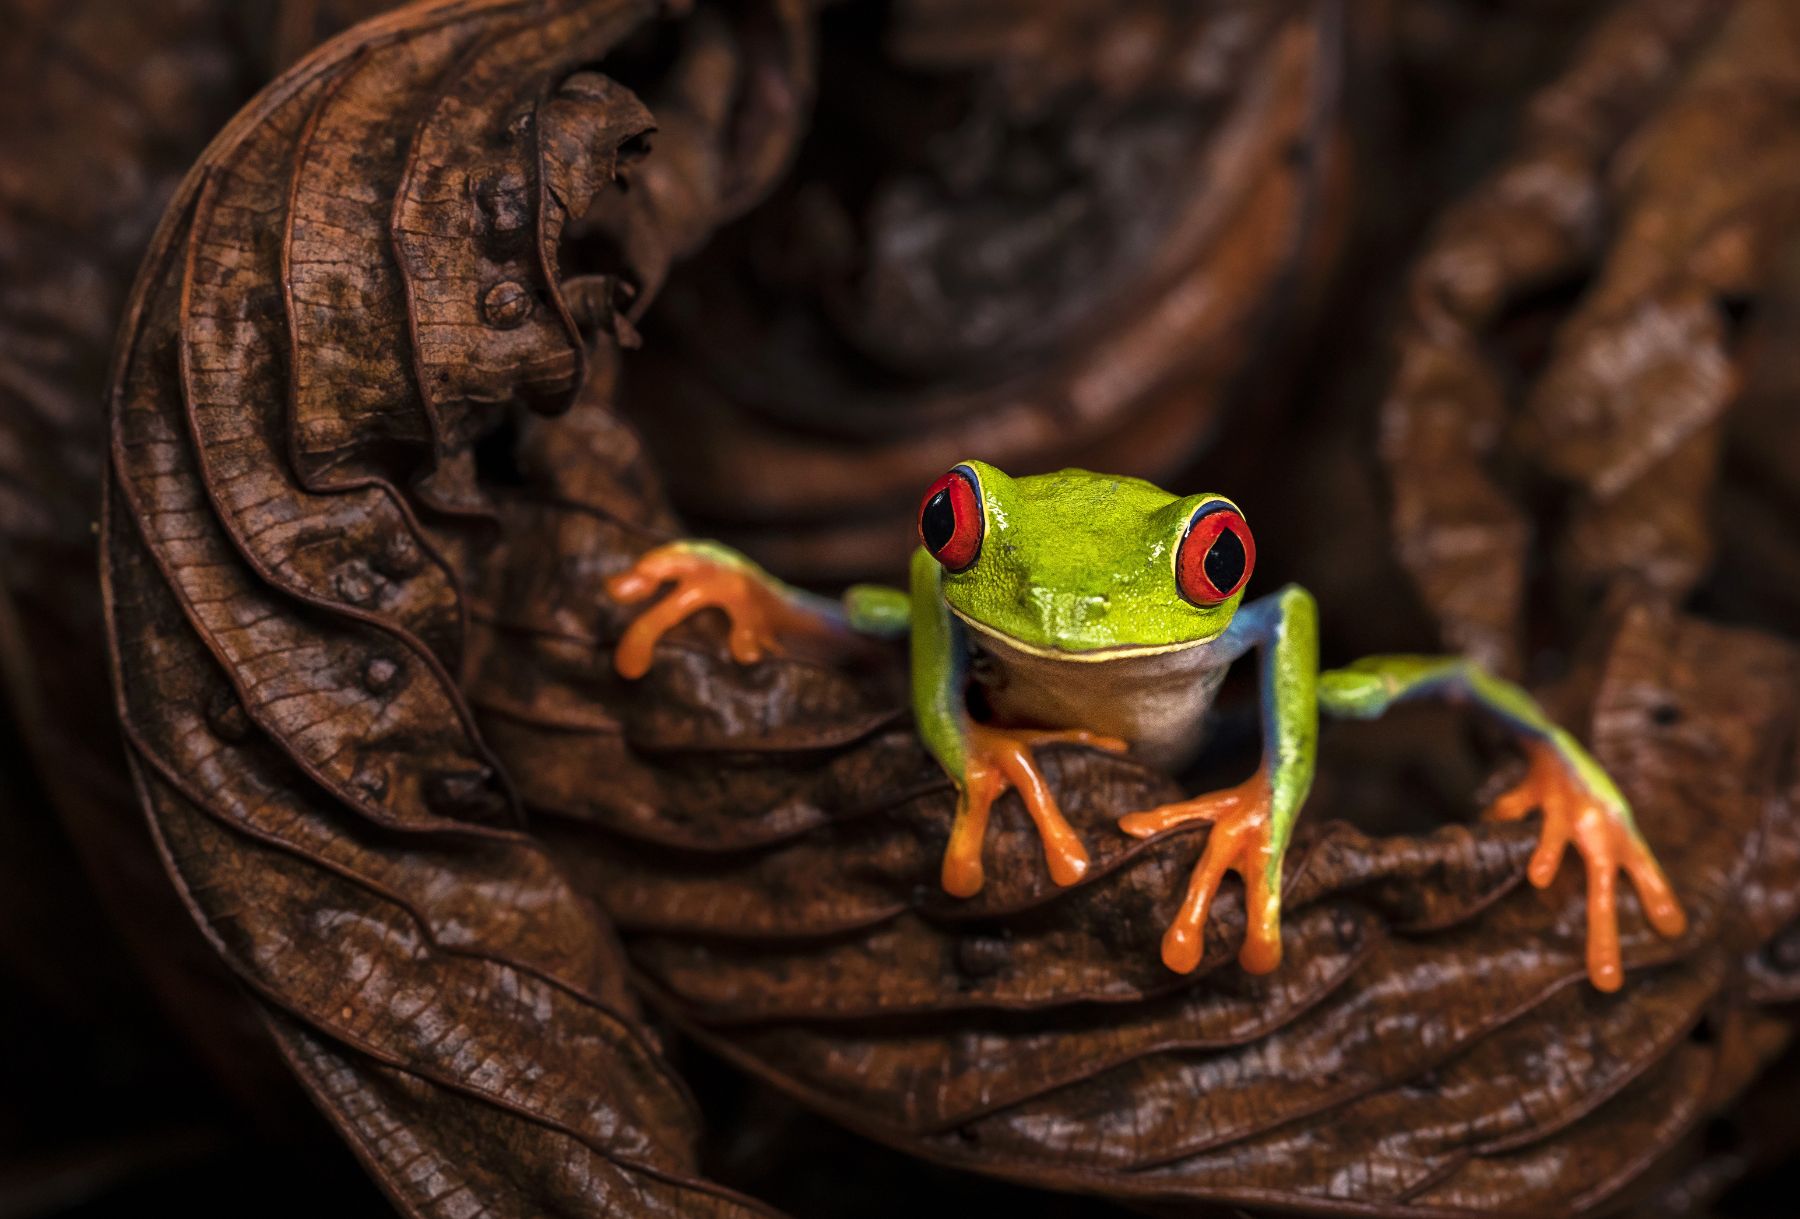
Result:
{"points": [[1225, 561], [937, 523]]}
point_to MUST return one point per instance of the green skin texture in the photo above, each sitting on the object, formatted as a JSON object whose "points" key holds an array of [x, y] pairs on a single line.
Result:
{"points": [[1076, 562]]}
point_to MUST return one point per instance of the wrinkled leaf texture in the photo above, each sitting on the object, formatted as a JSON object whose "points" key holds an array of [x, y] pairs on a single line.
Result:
{"points": [[357, 281]]}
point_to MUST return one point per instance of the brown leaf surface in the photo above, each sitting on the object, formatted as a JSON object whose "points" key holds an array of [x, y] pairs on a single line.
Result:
{"points": [[1430, 1045], [359, 281], [1574, 338]]}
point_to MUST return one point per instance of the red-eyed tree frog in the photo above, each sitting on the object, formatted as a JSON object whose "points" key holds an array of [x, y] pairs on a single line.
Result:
{"points": [[1102, 611]]}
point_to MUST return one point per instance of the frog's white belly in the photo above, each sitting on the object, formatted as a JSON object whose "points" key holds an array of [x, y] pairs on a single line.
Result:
{"points": [[1155, 700]]}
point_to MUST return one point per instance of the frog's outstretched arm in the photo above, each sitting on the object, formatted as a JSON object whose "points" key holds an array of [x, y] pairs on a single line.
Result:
{"points": [[982, 761], [763, 611], [1253, 822], [1579, 800]]}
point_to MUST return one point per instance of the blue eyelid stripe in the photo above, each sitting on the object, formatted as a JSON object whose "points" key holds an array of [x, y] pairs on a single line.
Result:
{"points": [[1207, 509], [967, 471]]}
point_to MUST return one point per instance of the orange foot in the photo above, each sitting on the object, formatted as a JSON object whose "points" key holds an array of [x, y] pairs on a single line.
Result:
{"points": [[1607, 843], [1241, 841], [760, 615], [994, 760]]}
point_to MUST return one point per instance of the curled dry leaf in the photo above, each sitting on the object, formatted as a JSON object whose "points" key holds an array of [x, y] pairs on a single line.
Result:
{"points": [[1431, 1043], [1574, 338], [359, 282], [1041, 234]]}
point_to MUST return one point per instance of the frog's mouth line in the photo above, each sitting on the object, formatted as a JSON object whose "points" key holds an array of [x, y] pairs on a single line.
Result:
{"points": [[1121, 652]]}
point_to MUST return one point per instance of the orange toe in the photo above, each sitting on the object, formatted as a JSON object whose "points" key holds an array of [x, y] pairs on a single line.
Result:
{"points": [[962, 871], [1241, 841], [996, 759], [1607, 843], [760, 616]]}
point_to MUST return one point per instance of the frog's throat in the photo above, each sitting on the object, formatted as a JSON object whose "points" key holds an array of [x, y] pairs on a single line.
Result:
{"points": [[1092, 656]]}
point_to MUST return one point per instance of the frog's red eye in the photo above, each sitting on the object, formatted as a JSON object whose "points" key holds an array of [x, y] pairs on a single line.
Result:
{"points": [[1216, 556], [951, 521]]}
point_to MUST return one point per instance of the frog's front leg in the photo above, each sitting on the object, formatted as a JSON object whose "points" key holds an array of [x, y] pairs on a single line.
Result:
{"points": [[766, 615], [982, 760], [1252, 822], [1580, 803]]}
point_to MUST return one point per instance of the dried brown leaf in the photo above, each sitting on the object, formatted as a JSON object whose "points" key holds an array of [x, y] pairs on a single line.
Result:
{"points": [[1577, 322], [360, 281]]}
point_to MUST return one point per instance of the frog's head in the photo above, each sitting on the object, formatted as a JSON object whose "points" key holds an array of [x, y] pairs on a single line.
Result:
{"points": [[1085, 566]]}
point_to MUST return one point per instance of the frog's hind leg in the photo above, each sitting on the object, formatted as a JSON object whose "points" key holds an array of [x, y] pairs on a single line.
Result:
{"points": [[1579, 801], [1252, 822]]}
